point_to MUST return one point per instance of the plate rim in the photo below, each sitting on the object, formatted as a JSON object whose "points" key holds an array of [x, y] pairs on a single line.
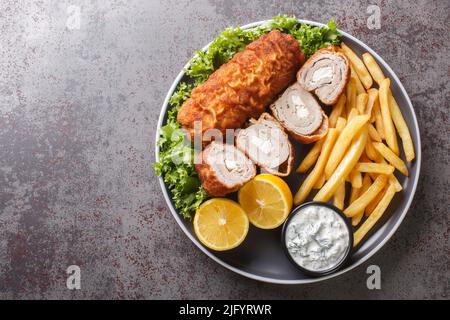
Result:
{"points": [[371, 253]]}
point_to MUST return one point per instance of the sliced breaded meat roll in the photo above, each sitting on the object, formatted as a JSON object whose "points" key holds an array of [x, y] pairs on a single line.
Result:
{"points": [[224, 169], [326, 73], [300, 114], [265, 142]]}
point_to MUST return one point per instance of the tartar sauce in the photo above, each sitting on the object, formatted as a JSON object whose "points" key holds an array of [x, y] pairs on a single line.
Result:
{"points": [[317, 238]]}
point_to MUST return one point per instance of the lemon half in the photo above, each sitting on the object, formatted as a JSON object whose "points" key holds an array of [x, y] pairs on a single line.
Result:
{"points": [[267, 200], [221, 224]]}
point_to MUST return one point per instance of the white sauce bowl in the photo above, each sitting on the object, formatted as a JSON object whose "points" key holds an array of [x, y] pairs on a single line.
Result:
{"points": [[317, 238]]}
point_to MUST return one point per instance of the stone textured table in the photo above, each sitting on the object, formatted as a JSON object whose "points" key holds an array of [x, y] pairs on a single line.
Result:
{"points": [[81, 86]]}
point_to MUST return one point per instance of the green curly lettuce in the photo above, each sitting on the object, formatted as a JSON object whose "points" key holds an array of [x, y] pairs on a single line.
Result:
{"points": [[175, 164], [176, 153]]}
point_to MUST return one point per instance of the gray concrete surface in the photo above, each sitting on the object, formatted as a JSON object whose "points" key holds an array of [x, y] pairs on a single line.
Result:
{"points": [[78, 109]]}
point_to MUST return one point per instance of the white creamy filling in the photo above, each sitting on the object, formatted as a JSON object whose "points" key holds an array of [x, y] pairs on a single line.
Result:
{"points": [[317, 238], [322, 73], [265, 146], [300, 107], [302, 111], [230, 164]]}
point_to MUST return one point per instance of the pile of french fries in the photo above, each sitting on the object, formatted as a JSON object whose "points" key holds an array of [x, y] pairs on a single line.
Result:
{"points": [[360, 148]]}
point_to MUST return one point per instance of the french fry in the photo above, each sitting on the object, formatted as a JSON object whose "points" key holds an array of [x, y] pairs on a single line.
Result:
{"points": [[356, 179], [345, 166], [402, 128], [337, 111], [367, 182], [350, 93], [357, 207], [378, 119], [371, 152], [320, 182], [354, 194], [375, 216], [373, 133], [373, 67], [352, 114], [315, 174], [358, 85], [391, 157], [309, 160], [373, 98], [345, 139], [361, 102], [364, 157], [393, 181], [389, 131], [374, 168], [359, 66], [392, 178], [380, 168], [371, 206], [357, 219], [339, 196], [340, 124]]}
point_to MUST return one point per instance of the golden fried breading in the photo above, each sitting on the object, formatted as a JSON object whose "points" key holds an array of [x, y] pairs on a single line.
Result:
{"points": [[245, 86]]}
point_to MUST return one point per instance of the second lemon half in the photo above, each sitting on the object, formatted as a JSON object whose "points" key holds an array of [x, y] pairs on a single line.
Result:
{"points": [[267, 200]]}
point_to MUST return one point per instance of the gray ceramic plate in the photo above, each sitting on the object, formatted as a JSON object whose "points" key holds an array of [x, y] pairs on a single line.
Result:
{"points": [[261, 256]]}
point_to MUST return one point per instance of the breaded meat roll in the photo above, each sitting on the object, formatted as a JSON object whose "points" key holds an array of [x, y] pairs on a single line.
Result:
{"points": [[265, 143], [326, 74], [245, 86], [224, 169], [300, 114]]}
